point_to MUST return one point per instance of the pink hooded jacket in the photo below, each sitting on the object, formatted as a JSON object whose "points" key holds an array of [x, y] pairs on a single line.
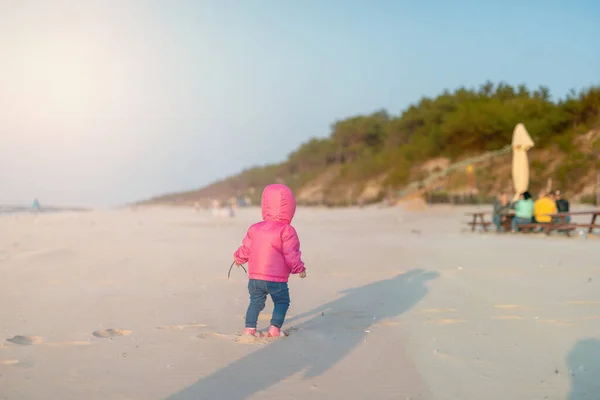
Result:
{"points": [[271, 247]]}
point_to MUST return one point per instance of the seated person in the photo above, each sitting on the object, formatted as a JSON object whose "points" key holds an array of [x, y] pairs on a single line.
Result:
{"points": [[501, 208], [542, 207], [562, 206], [523, 211]]}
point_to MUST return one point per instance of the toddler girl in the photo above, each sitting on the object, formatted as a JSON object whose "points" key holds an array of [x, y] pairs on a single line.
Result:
{"points": [[272, 250]]}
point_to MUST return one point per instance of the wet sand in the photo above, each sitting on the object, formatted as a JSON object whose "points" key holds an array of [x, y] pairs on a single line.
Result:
{"points": [[397, 304]]}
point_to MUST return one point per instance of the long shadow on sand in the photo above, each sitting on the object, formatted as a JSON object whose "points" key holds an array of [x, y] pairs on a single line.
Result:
{"points": [[331, 333], [584, 363]]}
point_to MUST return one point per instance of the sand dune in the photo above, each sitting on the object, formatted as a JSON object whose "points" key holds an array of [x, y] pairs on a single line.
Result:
{"points": [[137, 305]]}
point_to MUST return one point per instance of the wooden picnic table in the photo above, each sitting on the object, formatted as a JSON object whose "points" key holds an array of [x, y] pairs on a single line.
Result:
{"points": [[559, 222], [485, 224], [562, 218], [482, 221]]}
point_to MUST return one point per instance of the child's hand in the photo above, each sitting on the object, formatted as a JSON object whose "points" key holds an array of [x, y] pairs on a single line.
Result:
{"points": [[302, 274]]}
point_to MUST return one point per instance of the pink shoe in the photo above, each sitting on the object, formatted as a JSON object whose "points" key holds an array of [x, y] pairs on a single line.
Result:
{"points": [[249, 331], [275, 332]]}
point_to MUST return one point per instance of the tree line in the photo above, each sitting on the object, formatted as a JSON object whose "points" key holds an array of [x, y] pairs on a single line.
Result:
{"points": [[454, 124]]}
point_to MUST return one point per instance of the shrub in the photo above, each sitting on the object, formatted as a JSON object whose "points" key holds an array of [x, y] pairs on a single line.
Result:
{"points": [[588, 199], [572, 168]]}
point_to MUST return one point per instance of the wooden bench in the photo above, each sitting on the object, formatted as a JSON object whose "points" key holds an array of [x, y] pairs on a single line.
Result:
{"points": [[527, 228], [547, 228], [561, 217], [590, 227]]}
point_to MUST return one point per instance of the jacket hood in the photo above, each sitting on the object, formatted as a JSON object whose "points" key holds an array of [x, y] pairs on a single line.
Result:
{"points": [[278, 203]]}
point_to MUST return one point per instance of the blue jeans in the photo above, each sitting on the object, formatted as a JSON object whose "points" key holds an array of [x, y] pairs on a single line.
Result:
{"points": [[519, 221], [259, 289], [498, 221]]}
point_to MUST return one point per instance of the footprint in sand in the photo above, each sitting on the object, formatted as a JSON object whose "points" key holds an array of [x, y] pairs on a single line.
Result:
{"points": [[111, 333], [261, 338], [38, 340], [244, 339], [25, 340], [181, 327]]}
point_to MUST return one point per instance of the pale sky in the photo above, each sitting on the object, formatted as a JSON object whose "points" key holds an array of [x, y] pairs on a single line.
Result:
{"points": [[107, 102]]}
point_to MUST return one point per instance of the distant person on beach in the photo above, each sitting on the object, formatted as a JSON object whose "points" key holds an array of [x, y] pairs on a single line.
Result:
{"points": [[523, 211], [501, 209], [272, 250], [562, 205], [542, 207], [36, 205]]}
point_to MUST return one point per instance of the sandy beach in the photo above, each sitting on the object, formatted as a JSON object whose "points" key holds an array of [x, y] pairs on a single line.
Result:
{"points": [[398, 304]]}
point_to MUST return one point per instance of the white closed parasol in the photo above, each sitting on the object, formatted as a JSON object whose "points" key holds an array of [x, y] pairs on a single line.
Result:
{"points": [[521, 143]]}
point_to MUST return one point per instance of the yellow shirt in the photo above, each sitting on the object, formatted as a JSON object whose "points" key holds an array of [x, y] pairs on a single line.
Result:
{"points": [[544, 206]]}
